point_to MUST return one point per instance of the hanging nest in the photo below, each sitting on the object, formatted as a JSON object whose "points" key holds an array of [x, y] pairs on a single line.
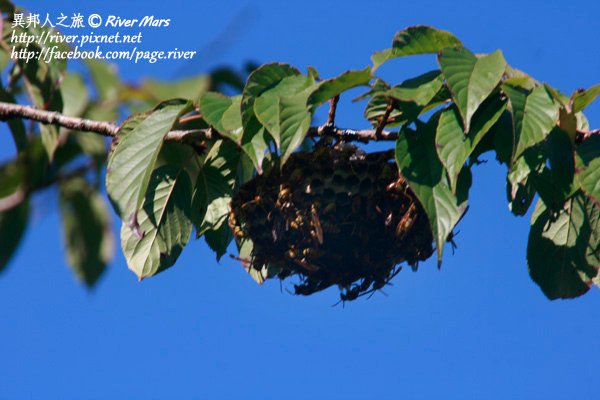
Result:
{"points": [[335, 216]]}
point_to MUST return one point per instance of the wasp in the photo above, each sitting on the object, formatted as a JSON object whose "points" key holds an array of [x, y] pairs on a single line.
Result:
{"points": [[406, 221], [256, 200], [316, 223], [306, 265]]}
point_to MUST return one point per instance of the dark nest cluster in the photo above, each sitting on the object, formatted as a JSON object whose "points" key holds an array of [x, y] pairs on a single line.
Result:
{"points": [[334, 216]]}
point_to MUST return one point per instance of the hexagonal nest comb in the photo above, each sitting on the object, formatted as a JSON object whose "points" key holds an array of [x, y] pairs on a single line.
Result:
{"points": [[334, 216]]}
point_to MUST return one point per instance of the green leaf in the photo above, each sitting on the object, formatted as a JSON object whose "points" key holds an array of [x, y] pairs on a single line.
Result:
{"points": [[587, 159], [12, 176], [152, 91], [582, 99], [223, 113], [534, 115], [132, 161], [419, 164], [165, 221], [411, 98], [294, 122], [333, 87], [262, 79], [254, 139], [377, 106], [420, 90], [453, 145], [105, 78], [255, 142], [75, 95], [415, 40], [561, 247], [218, 240], [16, 125], [41, 84], [13, 224], [555, 179], [283, 110], [49, 139], [214, 187], [471, 79], [87, 230], [258, 273], [519, 78], [519, 187], [556, 95]]}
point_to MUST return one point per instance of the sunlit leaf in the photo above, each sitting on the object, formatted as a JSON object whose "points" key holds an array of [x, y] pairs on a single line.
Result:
{"points": [[254, 139], [130, 165], [284, 112], [453, 145], [534, 115], [420, 90], [415, 40], [582, 99], [335, 86], [471, 79], [223, 113], [587, 158]]}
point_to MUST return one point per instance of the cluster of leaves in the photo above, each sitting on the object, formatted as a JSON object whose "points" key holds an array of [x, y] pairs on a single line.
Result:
{"points": [[74, 162], [474, 104], [163, 190]]}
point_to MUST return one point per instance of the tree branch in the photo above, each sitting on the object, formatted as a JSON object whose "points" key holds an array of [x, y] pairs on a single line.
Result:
{"points": [[10, 110], [352, 135]]}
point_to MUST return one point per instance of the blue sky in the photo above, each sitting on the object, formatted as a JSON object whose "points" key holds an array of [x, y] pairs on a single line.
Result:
{"points": [[479, 328]]}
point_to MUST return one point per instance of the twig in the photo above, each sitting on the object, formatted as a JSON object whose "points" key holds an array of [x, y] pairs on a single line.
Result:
{"points": [[332, 108], [583, 135], [384, 119], [12, 200]]}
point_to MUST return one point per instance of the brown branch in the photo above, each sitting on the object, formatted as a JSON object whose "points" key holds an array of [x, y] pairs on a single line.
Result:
{"points": [[332, 109], [10, 110], [12, 200], [583, 135], [384, 119], [353, 135]]}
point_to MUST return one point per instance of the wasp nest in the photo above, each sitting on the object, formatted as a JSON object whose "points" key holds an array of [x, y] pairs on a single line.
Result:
{"points": [[335, 216]]}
